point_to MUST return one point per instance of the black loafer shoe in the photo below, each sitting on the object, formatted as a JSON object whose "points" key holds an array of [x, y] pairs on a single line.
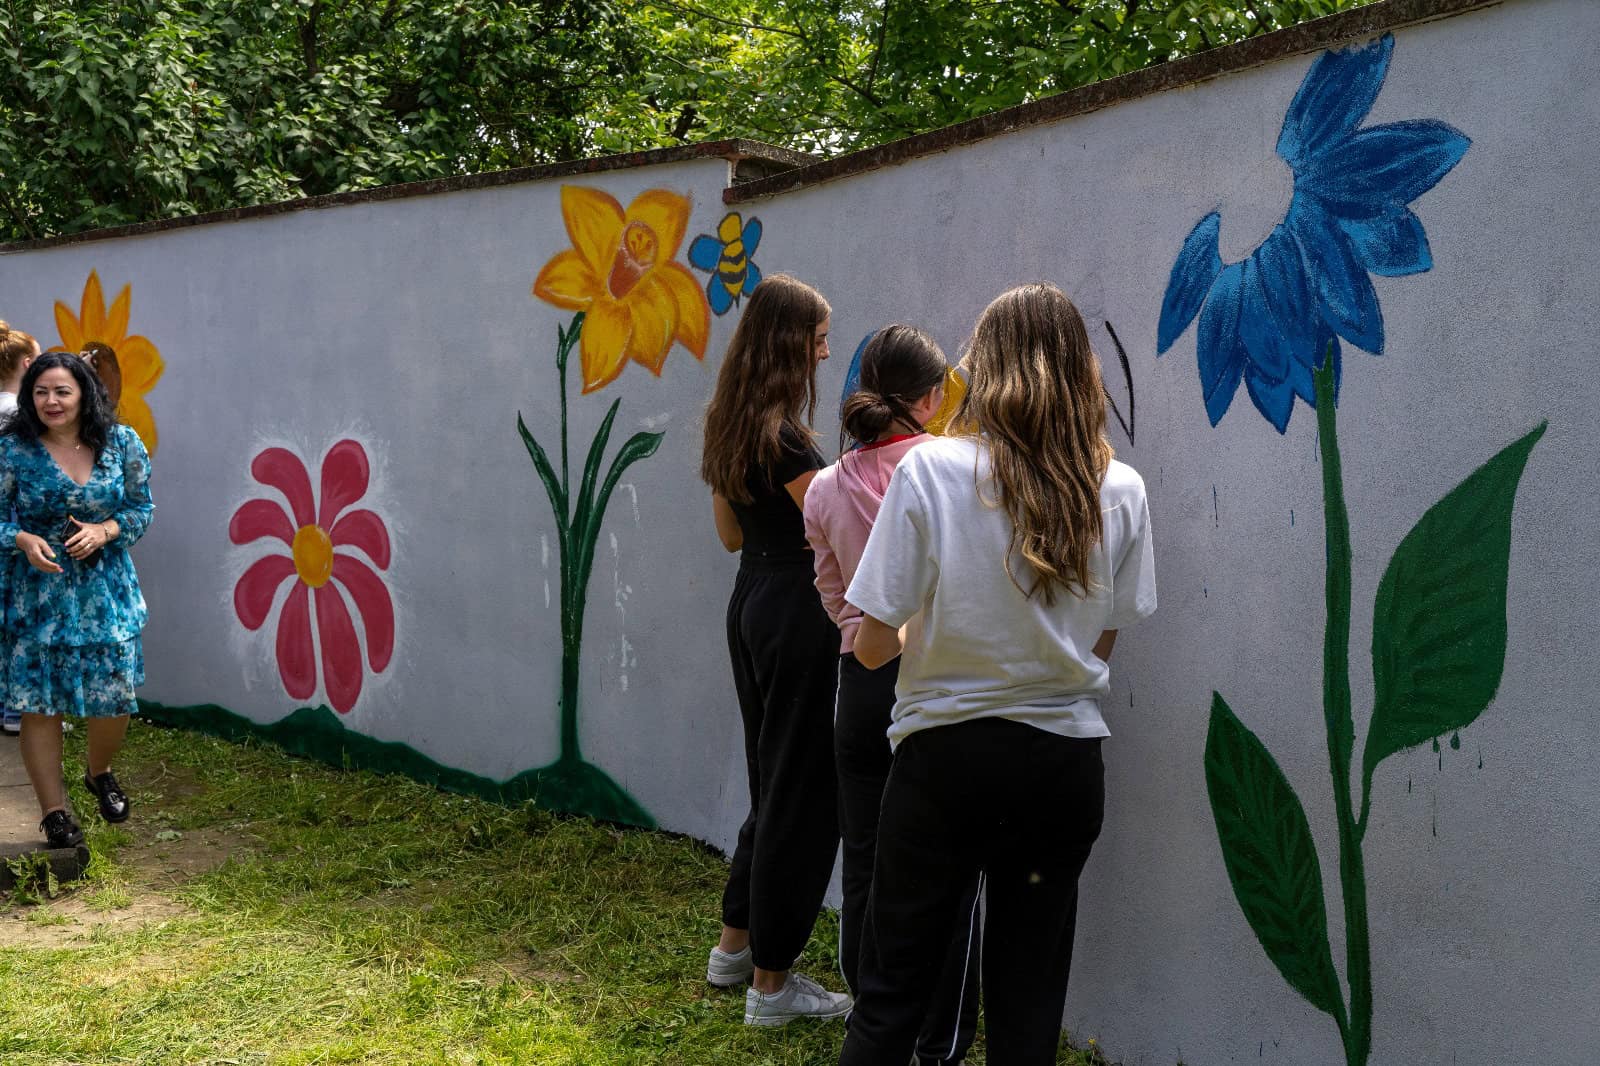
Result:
{"points": [[60, 831], [114, 806]]}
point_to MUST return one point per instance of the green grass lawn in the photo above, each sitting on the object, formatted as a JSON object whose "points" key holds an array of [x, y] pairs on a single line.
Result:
{"points": [[263, 909]]}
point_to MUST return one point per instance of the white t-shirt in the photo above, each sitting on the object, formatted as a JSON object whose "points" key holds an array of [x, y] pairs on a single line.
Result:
{"points": [[8, 403], [976, 646]]}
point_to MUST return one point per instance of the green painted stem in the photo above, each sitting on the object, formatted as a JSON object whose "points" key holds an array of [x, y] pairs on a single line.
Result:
{"points": [[565, 341], [578, 521], [1357, 1035], [573, 586]]}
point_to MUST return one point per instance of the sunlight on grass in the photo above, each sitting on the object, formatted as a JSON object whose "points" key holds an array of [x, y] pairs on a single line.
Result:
{"points": [[354, 918]]}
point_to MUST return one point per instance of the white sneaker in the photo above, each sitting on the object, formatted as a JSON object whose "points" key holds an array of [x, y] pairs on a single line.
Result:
{"points": [[724, 970], [800, 997]]}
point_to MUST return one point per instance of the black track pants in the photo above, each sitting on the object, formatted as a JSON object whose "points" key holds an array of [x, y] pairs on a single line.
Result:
{"points": [[785, 655], [866, 698], [1020, 804]]}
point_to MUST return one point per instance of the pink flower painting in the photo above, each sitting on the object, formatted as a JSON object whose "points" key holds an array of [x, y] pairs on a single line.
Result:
{"points": [[334, 556]]}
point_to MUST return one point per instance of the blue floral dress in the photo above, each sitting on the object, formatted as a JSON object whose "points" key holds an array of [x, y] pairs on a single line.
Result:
{"points": [[74, 636]]}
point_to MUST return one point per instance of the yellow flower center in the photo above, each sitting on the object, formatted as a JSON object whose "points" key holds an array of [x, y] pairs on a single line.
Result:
{"points": [[636, 254], [313, 555]]}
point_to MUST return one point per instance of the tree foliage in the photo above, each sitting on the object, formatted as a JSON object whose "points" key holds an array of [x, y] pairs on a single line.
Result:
{"points": [[846, 74], [116, 111]]}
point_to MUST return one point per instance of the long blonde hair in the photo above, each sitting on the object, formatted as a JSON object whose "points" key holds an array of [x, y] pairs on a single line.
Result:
{"points": [[15, 348], [768, 380], [1035, 400]]}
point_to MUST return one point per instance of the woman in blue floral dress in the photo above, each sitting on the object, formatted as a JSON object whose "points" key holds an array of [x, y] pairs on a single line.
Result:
{"points": [[80, 486]]}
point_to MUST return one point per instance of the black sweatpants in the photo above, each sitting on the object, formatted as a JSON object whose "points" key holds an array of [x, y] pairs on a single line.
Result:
{"points": [[866, 698], [785, 653], [1018, 803]]}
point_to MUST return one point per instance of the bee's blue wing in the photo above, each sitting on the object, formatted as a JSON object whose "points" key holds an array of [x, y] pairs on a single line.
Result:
{"points": [[705, 251], [719, 296], [752, 278], [751, 237]]}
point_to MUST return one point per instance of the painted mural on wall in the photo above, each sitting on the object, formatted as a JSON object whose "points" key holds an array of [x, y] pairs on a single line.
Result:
{"points": [[729, 257], [332, 554], [128, 364], [1127, 422], [1275, 321], [633, 301]]}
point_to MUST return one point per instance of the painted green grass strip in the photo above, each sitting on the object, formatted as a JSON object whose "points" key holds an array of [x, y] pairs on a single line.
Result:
{"points": [[317, 733]]}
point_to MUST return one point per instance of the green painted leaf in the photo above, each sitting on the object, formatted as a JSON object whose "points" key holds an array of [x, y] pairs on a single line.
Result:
{"points": [[585, 516], [639, 446], [1439, 626], [1271, 857], [547, 474]]}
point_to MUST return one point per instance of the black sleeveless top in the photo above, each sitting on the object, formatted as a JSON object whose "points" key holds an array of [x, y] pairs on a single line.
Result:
{"points": [[774, 528]]}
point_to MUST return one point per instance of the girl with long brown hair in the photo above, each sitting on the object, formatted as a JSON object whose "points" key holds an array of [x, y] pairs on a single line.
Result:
{"points": [[759, 459], [1015, 554]]}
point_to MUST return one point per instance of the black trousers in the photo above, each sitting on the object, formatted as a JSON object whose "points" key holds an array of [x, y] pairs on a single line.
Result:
{"points": [[866, 698], [785, 653], [1020, 804]]}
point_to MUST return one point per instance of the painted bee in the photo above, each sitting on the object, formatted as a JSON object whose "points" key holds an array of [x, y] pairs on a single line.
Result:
{"points": [[727, 257]]}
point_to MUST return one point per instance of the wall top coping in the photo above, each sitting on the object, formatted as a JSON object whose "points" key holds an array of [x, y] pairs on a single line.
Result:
{"points": [[744, 155]]}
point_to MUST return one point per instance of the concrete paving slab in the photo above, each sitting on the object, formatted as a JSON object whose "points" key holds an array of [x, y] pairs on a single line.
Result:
{"points": [[19, 822]]}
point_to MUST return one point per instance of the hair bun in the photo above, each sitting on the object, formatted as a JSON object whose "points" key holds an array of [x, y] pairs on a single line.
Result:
{"points": [[867, 414]]}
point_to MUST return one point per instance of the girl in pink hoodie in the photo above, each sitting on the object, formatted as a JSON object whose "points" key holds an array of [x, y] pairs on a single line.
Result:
{"points": [[902, 377]]}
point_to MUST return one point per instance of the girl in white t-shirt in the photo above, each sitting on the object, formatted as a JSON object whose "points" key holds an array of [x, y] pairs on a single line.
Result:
{"points": [[1015, 555]]}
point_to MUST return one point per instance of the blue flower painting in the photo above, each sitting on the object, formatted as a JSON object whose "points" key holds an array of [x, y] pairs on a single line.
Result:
{"points": [[1271, 319], [1275, 321], [728, 257], [852, 377]]}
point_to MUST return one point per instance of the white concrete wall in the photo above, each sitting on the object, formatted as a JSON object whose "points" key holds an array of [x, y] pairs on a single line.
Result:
{"points": [[409, 326], [1480, 880]]}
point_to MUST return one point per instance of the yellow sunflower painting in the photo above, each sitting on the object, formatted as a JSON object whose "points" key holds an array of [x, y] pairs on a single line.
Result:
{"points": [[137, 360]]}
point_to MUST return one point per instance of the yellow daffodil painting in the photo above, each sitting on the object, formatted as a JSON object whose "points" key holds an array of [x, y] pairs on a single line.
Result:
{"points": [[632, 300], [955, 388], [136, 358], [622, 274]]}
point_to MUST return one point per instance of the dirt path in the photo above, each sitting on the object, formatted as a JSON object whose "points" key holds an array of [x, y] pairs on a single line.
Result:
{"points": [[157, 862]]}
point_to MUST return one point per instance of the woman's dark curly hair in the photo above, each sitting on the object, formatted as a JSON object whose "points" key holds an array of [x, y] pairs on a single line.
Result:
{"points": [[95, 414]]}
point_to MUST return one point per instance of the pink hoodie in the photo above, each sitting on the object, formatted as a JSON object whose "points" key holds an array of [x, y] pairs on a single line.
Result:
{"points": [[841, 505]]}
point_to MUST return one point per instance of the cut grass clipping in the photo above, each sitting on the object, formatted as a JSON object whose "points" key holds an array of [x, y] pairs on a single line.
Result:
{"points": [[262, 909]]}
